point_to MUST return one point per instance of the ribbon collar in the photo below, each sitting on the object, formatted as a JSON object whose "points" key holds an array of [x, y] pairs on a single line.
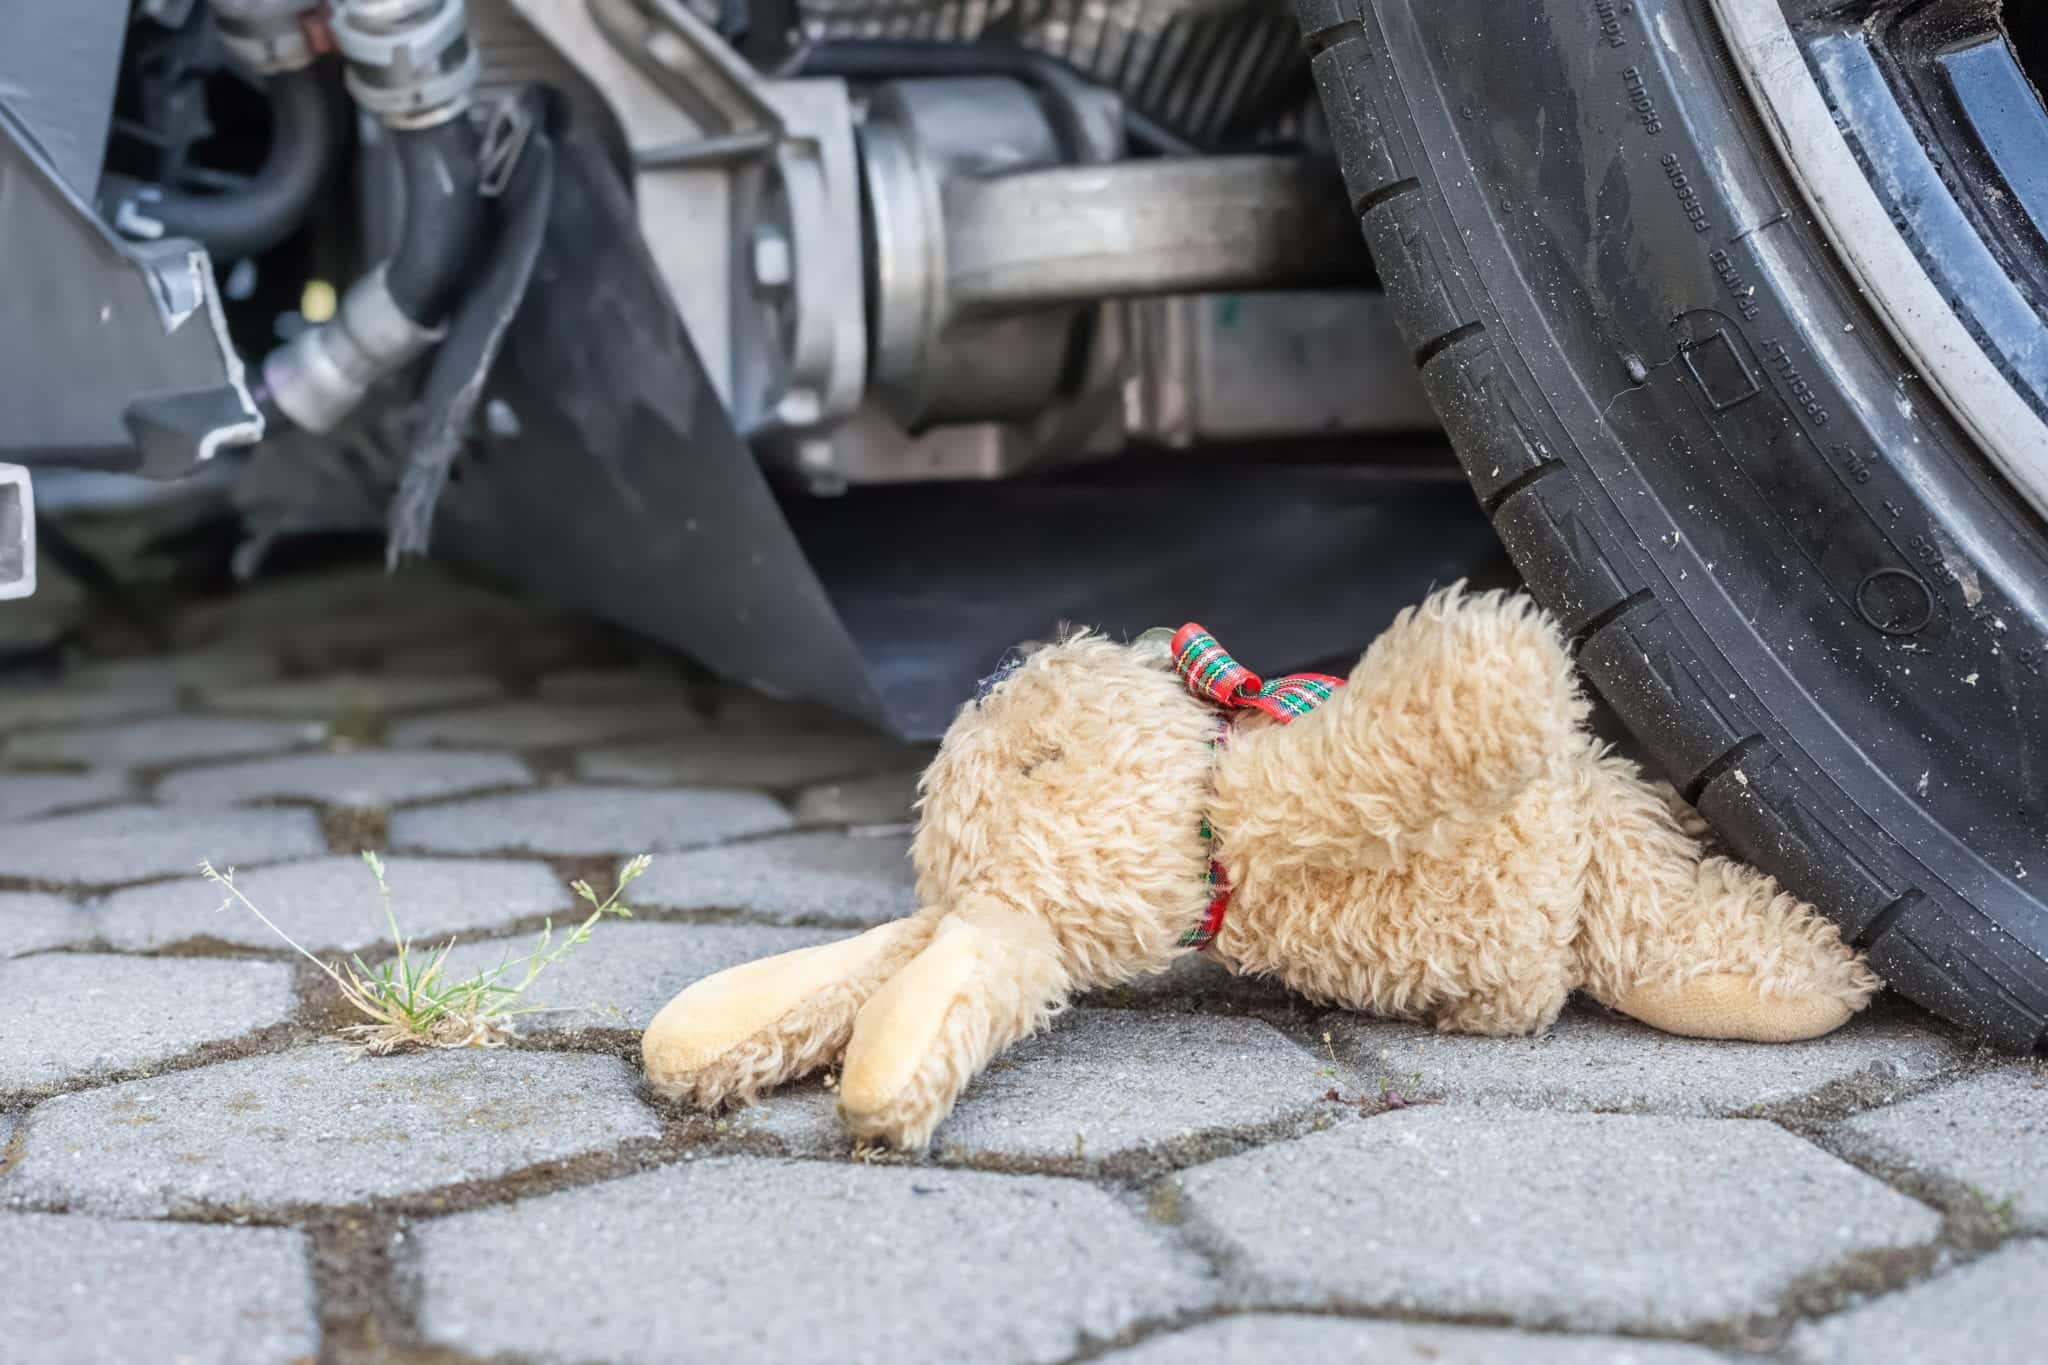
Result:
{"points": [[1213, 675]]}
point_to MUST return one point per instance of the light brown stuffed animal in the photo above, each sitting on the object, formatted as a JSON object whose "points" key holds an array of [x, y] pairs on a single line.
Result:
{"points": [[1442, 838]]}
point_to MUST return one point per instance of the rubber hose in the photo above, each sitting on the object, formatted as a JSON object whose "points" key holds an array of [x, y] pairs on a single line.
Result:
{"points": [[304, 139], [443, 218]]}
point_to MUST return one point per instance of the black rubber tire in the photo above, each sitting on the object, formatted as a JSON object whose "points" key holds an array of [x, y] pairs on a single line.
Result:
{"points": [[1816, 606]]}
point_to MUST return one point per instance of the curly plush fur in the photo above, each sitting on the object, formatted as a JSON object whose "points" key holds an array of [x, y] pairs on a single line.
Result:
{"points": [[1442, 839]]}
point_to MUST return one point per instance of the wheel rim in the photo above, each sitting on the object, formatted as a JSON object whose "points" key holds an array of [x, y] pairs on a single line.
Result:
{"points": [[1772, 64]]}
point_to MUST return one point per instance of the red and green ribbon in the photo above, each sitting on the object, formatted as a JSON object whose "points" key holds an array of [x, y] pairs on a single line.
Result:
{"points": [[1213, 675]]}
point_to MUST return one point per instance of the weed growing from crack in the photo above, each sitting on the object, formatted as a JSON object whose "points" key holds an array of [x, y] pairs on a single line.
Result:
{"points": [[407, 1003]]}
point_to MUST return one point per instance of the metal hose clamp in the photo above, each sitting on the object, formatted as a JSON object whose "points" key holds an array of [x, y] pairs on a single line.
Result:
{"points": [[410, 62], [268, 37]]}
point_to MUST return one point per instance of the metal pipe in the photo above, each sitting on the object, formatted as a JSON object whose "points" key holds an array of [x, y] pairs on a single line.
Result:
{"points": [[1072, 234]]}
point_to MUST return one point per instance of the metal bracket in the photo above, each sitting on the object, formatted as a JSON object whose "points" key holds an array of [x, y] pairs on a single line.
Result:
{"points": [[793, 259], [692, 64], [503, 140]]}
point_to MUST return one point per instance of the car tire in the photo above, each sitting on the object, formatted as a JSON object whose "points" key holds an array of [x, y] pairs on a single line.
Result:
{"points": [[1819, 608]]}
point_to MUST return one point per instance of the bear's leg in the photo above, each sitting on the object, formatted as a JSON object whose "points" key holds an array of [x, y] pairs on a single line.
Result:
{"points": [[1698, 946], [752, 1027], [1530, 1008], [991, 976], [1462, 703]]}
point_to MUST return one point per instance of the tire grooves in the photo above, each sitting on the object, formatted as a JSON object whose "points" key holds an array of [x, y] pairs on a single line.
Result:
{"points": [[1708, 775], [1626, 606], [1430, 350], [1885, 920], [1518, 483], [1322, 41], [1372, 199]]}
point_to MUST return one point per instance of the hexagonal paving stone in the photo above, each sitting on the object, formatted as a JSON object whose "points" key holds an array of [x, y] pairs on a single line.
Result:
{"points": [[322, 698], [31, 922], [1258, 1338], [576, 820], [1991, 1312], [884, 799], [167, 739], [128, 843], [1595, 1060], [87, 1291], [70, 1015], [1592, 1221], [332, 904], [72, 703], [795, 1262], [542, 724], [827, 878], [26, 795], [319, 1126], [369, 777], [1989, 1132], [750, 758], [628, 971], [1122, 1090]]}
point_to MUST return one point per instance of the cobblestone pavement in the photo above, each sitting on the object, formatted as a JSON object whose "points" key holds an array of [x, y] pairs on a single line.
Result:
{"points": [[1190, 1169]]}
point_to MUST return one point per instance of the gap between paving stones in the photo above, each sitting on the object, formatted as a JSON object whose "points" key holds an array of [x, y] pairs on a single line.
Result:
{"points": [[262, 1042], [365, 1296]]}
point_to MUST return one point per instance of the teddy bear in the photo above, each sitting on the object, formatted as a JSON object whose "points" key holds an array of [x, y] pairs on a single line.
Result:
{"points": [[1438, 837]]}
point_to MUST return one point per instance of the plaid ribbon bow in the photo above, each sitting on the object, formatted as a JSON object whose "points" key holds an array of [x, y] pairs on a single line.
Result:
{"points": [[1214, 676], [1211, 674]]}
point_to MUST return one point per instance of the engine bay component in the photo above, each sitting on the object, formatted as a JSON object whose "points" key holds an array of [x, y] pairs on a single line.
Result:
{"points": [[989, 250], [410, 62], [268, 37], [317, 378], [258, 214], [1217, 73], [809, 228], [1174, 226], [17, 533], [932, 363], [796, 358], [118, 357]]}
